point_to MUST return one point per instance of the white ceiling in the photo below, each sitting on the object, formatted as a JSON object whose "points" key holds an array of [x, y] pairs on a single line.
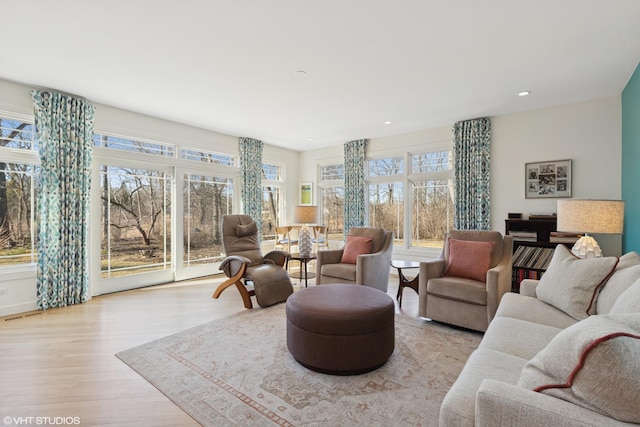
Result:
{"points": [[230, 65]]}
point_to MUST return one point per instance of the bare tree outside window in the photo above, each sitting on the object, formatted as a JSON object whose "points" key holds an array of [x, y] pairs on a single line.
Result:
{"points": [[17, 204]]}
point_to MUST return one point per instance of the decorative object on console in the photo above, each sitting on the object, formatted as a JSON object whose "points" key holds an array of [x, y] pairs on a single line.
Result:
{"points": [[305, 215], [590, 216]]}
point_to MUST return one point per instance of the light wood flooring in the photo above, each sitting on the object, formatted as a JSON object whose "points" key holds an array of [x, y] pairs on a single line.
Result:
{"points": [[61, 363]]}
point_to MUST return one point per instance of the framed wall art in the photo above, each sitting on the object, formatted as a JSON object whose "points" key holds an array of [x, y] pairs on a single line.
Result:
{"points": [[548, 179], [306, 194]]}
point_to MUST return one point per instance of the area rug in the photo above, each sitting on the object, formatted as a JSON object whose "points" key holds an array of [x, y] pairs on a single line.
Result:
{"points": [[237, 371]]}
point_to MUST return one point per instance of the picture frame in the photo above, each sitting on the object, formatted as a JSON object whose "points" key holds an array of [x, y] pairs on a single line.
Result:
{"points": [[550, 179], [306, 194]]}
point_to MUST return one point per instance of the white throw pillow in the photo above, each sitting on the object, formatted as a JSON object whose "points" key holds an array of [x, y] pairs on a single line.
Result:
{"points": [[627, 272], [570, 284], [594, 364], [629, 300]]}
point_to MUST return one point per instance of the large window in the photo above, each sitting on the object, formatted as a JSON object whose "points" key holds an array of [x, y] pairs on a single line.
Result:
{"points": [[272, 200], [18, 171], [206, 199], [332, 200], [207, 195], [386, 195], [432, 197], [136, 220], [136, 199]]}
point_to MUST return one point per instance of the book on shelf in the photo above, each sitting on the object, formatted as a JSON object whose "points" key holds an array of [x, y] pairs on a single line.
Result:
{"points": [[524, 236], [532, 257], [542, 216], [561, 237]]}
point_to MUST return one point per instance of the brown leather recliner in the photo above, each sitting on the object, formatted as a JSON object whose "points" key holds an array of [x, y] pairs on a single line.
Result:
{"points": [[244, 261]]}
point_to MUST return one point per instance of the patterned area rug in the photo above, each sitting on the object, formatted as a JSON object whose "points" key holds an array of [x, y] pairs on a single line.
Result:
{"points": [[237, 371]]}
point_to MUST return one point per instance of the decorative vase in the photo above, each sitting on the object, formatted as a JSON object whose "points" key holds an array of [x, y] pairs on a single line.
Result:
{"points": [[304, 241]]}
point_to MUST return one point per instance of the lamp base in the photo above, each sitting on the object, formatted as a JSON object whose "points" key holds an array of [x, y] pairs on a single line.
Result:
{"points": [[586, 247], [304, 241]]}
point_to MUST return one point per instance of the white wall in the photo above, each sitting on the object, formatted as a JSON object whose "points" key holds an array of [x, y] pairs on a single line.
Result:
{"points": [[589, 133]]}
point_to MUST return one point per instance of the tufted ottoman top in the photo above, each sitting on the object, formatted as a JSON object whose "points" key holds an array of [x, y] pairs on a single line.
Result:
{"points": [[340, 309]]}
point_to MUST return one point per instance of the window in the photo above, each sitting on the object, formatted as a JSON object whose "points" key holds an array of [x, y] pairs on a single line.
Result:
{"points": [[136, 214], [199, 155], [432, 208], [206, 199], [18, 172], [386, 195], [272, 200], [133, 145], [332, 200], [386, 208], [432, 212]]}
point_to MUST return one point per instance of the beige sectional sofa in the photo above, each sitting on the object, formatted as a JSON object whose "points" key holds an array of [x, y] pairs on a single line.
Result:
{"points": [[584, 366]]}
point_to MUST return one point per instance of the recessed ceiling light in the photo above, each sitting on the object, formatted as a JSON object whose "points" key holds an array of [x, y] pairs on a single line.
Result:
{"points": [[524, 93], [309, 139], [388, 122], [300, 73]]}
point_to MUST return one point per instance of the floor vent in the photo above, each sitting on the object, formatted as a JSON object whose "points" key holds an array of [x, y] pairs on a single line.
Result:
{"points": [[21, 315]]}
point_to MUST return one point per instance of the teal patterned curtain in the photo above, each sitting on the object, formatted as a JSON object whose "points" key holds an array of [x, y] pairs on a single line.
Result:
{"points": [[472, 152], [251, 170], [64, 129], [355, 199]]}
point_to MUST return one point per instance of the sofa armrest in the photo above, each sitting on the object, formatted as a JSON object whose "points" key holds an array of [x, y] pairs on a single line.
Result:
{"points": [[528, 287], [502, 404]]}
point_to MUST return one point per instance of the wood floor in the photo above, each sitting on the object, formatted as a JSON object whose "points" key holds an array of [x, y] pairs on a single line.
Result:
{"points": [[61, 363]]}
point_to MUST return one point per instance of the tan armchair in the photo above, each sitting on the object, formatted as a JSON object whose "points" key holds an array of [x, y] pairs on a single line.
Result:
{"points": [[370, 269], [244, 261], [463, 301]]}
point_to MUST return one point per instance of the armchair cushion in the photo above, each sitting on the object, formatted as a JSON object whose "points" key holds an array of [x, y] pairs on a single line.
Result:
{"points": [[355, 246], [469, 259], [594, 364], [570, 284]]}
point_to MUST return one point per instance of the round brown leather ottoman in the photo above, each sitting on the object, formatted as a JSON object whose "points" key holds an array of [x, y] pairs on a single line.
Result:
{"points": [[340, 329]]}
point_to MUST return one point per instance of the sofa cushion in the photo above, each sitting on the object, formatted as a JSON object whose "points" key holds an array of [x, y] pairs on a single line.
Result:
{"points": [[479, 236], [629, 301], [517, 337], [356, 245], [627, 271], [469, 259], [458, 406], [571, 284], [593, 364], [533, 310]]}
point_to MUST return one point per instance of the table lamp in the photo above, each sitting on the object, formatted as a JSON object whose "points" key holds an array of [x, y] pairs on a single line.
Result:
{"points": [[305, 215], [590, 216]]}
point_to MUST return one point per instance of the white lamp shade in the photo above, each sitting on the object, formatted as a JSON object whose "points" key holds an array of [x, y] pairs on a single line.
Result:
{"points": [[591, 216], [305, 215]]}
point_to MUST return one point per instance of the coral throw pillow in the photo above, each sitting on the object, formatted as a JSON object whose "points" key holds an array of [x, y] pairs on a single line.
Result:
{"points": [[469, 259], [356, 246]]}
